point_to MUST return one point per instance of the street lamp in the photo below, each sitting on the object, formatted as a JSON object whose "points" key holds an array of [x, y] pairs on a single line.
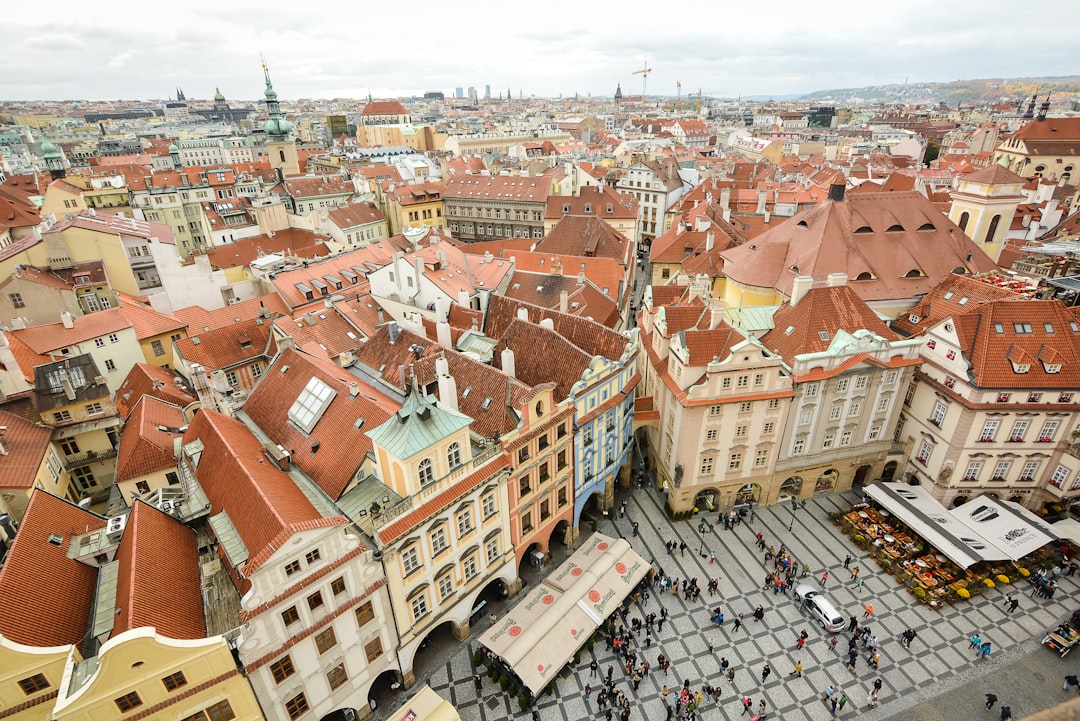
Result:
{"points": [[794, 508], [702, 529]]}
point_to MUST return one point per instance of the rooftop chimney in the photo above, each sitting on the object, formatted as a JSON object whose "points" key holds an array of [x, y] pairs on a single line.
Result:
{"points": [[522, 313], [67, 319], [836, 279], [507, 360], [800, 287], [564, 302], [443, 335], [836, 192], [354, 389], [394, 330], [448, 395], [710, 240]]}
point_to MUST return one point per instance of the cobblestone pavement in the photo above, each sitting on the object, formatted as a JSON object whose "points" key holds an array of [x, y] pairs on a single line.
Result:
{"points": [[939, 663]]}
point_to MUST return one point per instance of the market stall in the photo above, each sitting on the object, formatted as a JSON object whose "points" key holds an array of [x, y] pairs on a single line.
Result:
{"points": [[541, 634]]}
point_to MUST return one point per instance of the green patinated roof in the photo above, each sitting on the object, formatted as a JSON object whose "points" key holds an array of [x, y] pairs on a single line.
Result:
{"points": [[418, 425]]}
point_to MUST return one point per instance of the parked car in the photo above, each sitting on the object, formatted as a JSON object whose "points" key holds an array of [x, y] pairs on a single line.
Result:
{"points": [[821, 609], [1065, 637]]}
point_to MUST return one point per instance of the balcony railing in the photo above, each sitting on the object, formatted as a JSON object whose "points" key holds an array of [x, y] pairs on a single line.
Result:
{"points": [[85, 459]]}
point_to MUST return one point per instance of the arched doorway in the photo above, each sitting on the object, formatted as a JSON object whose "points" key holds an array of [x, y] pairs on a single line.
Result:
{"points": [[342, 714], [560, 534], [706, 500], [748, 495], [992, 495], [860, 478], [958, 501], [381, 694], [792, 486], [436, 647], [826, 481], [532, 559], [888, 471], [1016, 499], [490, 601]]}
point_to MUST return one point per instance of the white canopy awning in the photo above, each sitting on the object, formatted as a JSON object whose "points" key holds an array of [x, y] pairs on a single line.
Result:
{"points": [[1068, 528], [542, 632], [984, 529]]}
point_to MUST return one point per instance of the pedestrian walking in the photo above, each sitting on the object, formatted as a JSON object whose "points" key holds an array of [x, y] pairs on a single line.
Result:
{"points": [[712, 556], [747, 706], [843, 701], [824, 578], [765, 671], [1070, 681], [868, 611], [761, 709], [984, 650], [847, 560], [976, 641], [855, 573], [635, 527], [731, 675], [832, 642], [853, 624], [1013, 605], [588, 690], [738, 622], [991, 699], [622, 510], [709, 641], [1006, 713], [593, 668], [798, 669], [478, 682]]}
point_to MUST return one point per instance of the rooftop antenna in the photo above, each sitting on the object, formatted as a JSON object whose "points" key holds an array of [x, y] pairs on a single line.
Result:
{"points": [[644, 73]]}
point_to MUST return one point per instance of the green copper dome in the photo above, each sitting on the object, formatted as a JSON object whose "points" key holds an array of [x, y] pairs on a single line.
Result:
{"points": [[49, 150], [277, 126]]}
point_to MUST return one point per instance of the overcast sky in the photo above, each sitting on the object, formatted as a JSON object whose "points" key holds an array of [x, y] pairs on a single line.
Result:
{"points": [[140, 50]]}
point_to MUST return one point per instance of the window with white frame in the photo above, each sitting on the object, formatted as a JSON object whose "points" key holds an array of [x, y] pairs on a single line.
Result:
{"points": [[860, 383], [989, 430], [1001, 470], [810, 390], [446, 586], [464, 523], [1027, 473], [875, 431], [798, 447], [804, 418], [741, 430], [470, 567], [1046, 433], [890, 377], [438, 540], [835, 412], [419, 606], [734, 461], [710, 435], [853, 409], [1058, 476], [426, 472], [453, 455], [845, 438], [310, 405], [974, 468], [706, 466], [492, 550], [410, 560], [1019, 428], [827, 442], [761, 458], [938, 416], [1076, 482], [925, 451], [841, 385], [488, 505], [725, 383]]}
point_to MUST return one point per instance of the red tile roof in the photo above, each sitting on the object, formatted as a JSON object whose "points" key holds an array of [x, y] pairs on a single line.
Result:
{"points": [[146, 321], [200, 320], [499, 188], [146, 380], [887, 235], [322, 332], [384, 107], [590, 336], [47, 595], [145, 446], [295, 241], [264, 504], [964, 295], [587, 236], [583, 298], [822, 310], [354, 215], [226, 347], [596, 200], [45, 338], [25, 445], [147, 594], [1054, 338], [317, 186], [334, 449]]}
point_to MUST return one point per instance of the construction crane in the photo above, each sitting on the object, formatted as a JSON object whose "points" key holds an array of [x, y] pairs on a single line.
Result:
{"points": [[644, 73], [678, 101]]}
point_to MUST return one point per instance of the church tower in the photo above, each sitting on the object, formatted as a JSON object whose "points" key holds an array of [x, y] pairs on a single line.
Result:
{"points": [[983, 205], [279, 140], [54, 160]]}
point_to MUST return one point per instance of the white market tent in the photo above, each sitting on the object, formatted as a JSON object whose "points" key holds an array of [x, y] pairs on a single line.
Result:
{"points": [[1068, 528], [544, 631], [983, 529]]}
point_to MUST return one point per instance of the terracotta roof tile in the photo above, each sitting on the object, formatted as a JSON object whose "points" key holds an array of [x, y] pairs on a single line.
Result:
{"points": [[227, 347], [597, 199], [296, 241], [200, 320], [589, 336], [587, 236], [25, 445], [333, 450], [303, 187], [996, 333], [584, 299], [354, 215], [359, 263], [146, 594], [810, 325], [25, 356], [144, 446], [47, 595], [146, 380], [146, 321], [508, 188], [954, 295], [384, 107], [265, 505], [43, 339]]}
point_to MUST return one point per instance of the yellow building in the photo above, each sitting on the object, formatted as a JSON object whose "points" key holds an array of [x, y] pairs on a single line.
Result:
{"points": [[416, 204], [28, 679], [156, 331], [194, 680], [984, 204], [1044, 148], [63, 197]]}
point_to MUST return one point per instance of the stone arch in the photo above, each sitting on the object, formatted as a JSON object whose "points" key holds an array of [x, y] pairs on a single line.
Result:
{"points": [[748, 495], [707, 499], [826, 481], [792, 486], [888, 471], [991, 230], [958, 501], [964, 218]]}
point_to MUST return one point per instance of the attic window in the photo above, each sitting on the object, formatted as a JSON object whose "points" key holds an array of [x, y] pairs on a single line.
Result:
{"points": [[864, 276], [999, 328], [610, 208], [245, 343], [962, 301], [565, 209], [864, 229], [465, 393], [913, 318], [1052, 367], [802, 224], [893, 228], [1021, 367], [926, 226], [823, 335], [960, 270], [789, 330], [1073, 326], [948, 295], [914, 273], [55, 539], [1022, 328], [359, 424], [486, 404]]}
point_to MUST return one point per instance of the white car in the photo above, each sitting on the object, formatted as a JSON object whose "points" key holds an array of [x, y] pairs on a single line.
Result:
{"points": [[811, 599]]}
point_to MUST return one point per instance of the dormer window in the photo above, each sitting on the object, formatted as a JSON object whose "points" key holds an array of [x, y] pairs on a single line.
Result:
{"points": [[913, 273], [588, 208], [912, 318], [1021, 367], [610, 208], [565, 209], [1052, 367]]}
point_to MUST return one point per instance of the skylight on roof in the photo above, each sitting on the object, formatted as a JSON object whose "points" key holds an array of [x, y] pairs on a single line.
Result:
{"points": [[948, 295], [486, 404], [789, 330], [962, 301], [823, 335], [311, 404]]}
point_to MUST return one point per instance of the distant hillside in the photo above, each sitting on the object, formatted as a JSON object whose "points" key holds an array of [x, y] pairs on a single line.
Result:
{"points": [[969, 92]]}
